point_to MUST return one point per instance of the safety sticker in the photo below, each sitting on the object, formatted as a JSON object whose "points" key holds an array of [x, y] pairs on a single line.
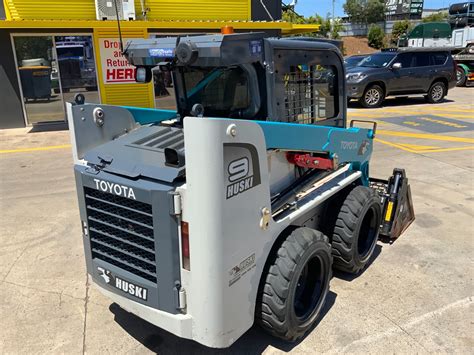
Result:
{"points": [[241, 269]]}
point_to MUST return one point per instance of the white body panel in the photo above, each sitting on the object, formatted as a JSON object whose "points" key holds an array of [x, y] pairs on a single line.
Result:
{"points": [[228, 247], [462, 37], [429, 42], [105, 9]]}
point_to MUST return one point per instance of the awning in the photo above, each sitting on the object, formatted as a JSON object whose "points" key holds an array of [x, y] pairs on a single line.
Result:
{"points": [[286, 28]]}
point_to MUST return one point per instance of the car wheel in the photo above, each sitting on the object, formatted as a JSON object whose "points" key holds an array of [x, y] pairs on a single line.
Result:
{"points": [[460, 77], [436, 93], [373, 97], [296, 285]]}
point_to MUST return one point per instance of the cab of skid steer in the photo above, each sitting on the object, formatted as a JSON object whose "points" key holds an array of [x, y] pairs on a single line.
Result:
{"points": [[248, 76]]}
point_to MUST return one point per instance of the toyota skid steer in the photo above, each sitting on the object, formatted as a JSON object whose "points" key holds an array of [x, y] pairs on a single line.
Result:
{"points": [[236, 207]]}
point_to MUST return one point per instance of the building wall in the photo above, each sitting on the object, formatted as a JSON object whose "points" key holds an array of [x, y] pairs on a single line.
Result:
{"points": [[158, 9], [196, 9], [11, 113], [129, 94]]}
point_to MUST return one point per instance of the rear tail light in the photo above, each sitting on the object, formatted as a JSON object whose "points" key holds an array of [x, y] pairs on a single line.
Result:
{"points": [[185, 245]]}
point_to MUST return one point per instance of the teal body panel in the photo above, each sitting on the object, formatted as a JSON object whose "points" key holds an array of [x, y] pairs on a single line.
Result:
{"points": [[150, 115], [351, 145]]}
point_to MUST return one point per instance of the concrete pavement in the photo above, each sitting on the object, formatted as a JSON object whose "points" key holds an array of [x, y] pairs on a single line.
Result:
{"points": [[416, 296]]}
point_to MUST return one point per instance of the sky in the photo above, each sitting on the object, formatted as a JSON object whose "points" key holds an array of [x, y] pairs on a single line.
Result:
{"points": [[322, 7]]}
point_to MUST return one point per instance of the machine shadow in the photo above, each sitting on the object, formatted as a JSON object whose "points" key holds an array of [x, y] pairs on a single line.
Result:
{"points": [[349, 277], [157, 340], [49, 127], [398, 101]]}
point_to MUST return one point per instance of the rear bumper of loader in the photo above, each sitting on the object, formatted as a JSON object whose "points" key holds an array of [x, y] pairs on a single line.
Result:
{"points": [[398, 212], [177, 324]]}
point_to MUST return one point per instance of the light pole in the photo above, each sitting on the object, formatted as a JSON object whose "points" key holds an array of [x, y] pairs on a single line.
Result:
{"points": [[332, 24]]}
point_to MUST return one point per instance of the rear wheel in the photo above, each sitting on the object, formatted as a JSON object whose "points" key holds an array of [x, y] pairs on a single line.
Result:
{"points": [[461, 77], [296, 285], [373, 96], [436, 93], [357, 229]]}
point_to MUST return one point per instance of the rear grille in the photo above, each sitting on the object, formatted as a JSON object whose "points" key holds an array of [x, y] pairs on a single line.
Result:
{"points": [[163, 137], [121, 232]]}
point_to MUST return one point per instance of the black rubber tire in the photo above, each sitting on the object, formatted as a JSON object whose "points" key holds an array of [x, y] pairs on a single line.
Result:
{"points": [[306, 253], [357, 229], [430, 97], [364, 99], [461, 77]]}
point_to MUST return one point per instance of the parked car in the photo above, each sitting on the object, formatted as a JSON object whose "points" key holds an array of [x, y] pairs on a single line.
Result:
{"points": [[401, 73], [353, 60]]}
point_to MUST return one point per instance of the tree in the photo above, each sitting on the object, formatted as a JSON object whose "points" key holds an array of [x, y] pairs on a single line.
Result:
{"points": [[400, 28], [293, 17], [325, 28], [365, 11], [376, 36], [32, 47], [436, 17], [375, 11], [355, 9]]}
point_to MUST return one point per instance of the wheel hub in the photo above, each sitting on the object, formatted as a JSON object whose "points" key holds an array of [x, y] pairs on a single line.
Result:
{"points": [[372, 97], [437, 93]]}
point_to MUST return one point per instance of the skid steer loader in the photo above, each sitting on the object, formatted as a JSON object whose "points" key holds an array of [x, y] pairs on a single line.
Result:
{"points": [[236, 206]]}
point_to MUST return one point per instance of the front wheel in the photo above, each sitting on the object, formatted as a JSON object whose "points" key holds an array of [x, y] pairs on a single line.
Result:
{"points": [[373, 97], [296, 285], [436, 93], [356, 230]]}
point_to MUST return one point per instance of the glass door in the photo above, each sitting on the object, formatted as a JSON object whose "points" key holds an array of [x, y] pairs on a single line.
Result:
{"points": [[35, 60], [75, 68]]}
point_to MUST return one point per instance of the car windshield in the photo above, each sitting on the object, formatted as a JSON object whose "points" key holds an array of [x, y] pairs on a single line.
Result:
{"points": [[352, 60], [378, 60]]}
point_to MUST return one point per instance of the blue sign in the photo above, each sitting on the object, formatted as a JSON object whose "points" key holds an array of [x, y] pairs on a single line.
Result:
{"points": [[256, 47], [161, 52]]}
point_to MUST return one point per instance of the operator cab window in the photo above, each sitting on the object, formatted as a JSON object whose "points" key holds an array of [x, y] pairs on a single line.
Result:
{"points": [[310, 93], [223, 92]]}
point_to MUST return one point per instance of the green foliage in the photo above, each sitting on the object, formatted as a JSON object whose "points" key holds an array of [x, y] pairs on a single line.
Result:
{"points": [[291, 16], [437, 17], [376, 36], [375, 11], [400, 28], [365, 11], [325, 29], [33, 47], [355, 9]]}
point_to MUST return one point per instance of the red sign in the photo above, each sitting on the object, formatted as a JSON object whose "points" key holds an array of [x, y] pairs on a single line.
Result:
{"points": [[115, 67]]}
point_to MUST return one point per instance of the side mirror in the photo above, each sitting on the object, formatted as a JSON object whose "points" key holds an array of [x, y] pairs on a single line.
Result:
{"points": [[143, 75], [397, 66]]}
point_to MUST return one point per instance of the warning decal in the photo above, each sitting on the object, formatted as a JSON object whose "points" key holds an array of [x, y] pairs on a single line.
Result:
{"points": [[115, 67]]}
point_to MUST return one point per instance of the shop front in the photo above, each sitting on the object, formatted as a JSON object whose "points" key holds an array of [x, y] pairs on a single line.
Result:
{"points": [[51, 54]]}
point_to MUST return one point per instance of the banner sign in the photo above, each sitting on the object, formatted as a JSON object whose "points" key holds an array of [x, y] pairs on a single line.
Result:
{"points": [[402, 7], [115, 67]]}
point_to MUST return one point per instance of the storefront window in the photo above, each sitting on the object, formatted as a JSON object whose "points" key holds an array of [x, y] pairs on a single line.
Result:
{"points": [[35, 60], [164, 90], [76, 66], [52, 69]]}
